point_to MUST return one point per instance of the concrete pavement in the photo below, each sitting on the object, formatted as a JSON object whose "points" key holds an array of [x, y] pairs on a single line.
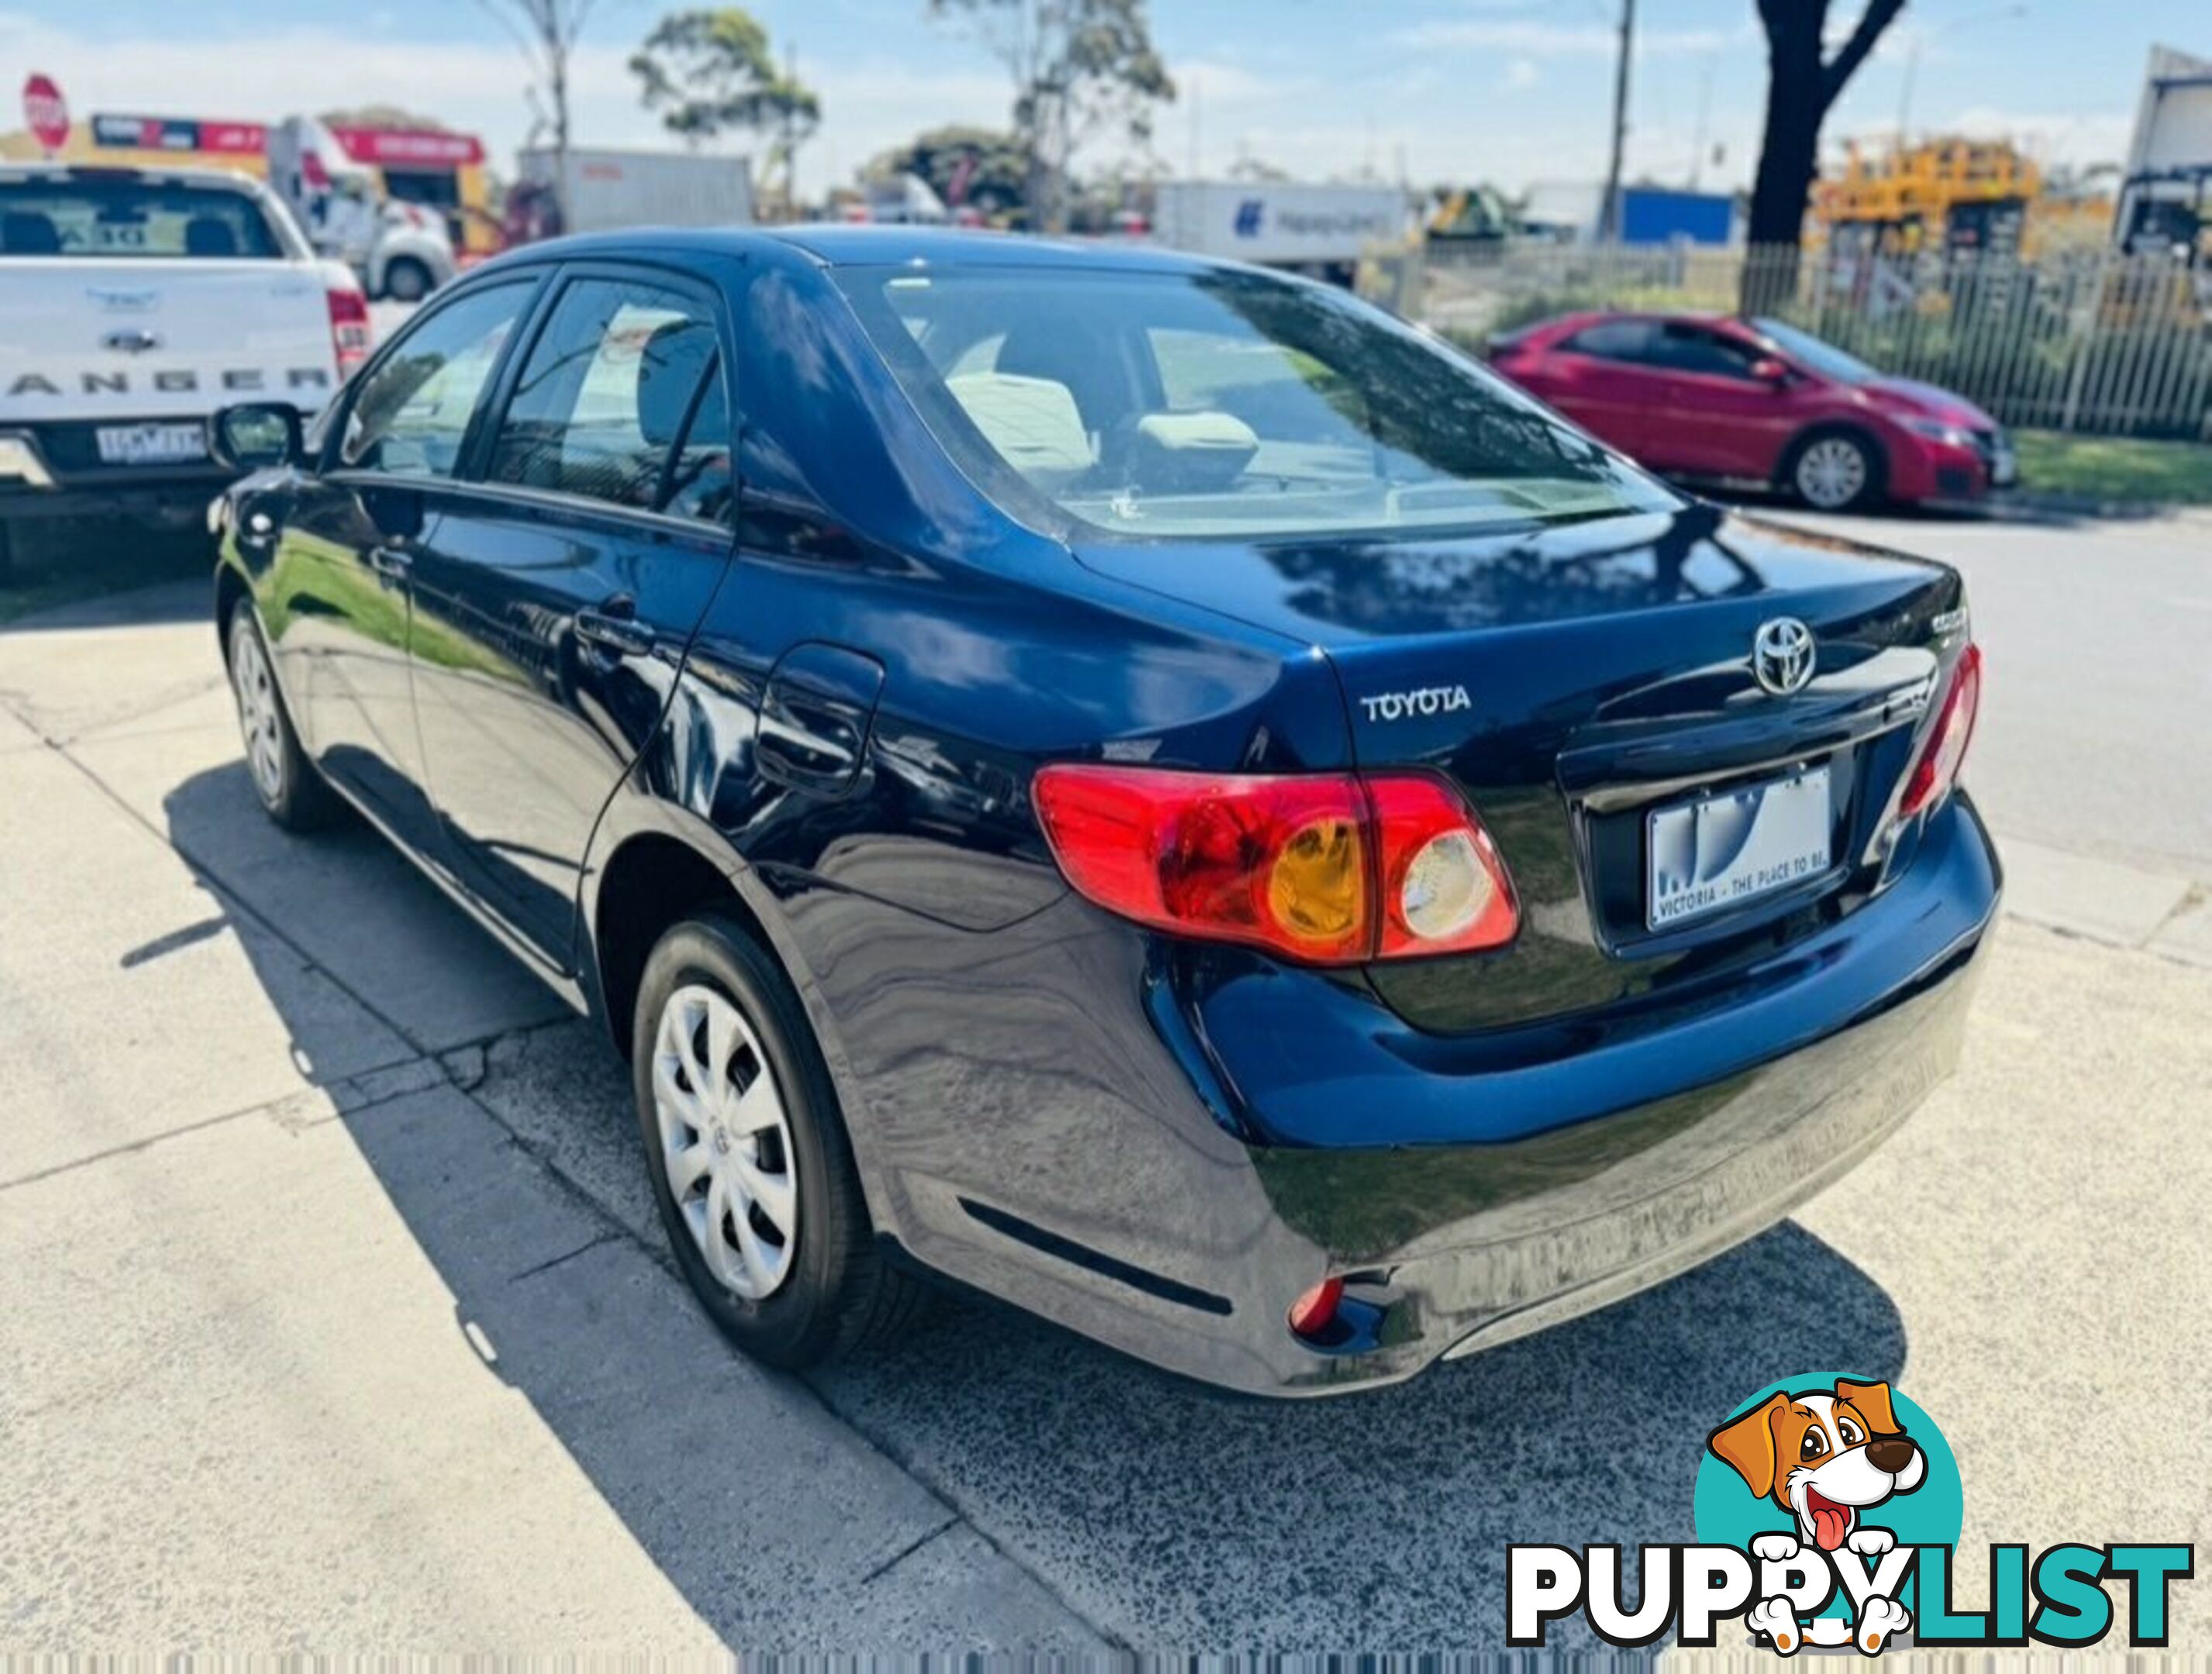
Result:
{"points": [[339, 1316]]}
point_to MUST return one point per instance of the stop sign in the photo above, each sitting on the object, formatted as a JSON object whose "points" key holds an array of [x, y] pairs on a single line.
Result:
{"points": [[46, 113]]}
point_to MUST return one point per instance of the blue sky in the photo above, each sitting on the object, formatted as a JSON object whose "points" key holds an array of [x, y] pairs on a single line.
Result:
{"points": [[1510, 90]]}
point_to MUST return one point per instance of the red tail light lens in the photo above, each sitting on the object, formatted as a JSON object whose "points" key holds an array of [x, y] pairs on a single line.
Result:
{"points": [[1327, 869], [1936, 770], [348, 329], [1313, 1314]]}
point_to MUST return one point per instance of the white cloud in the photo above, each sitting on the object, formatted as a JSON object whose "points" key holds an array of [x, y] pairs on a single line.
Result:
{"points": [[1522, 72], [1554, 41], [2073, 138], [479, 87]]}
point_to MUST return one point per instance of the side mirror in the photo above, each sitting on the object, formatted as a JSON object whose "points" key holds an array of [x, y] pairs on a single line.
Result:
{"points": [[255, 435], [1769, 372]]}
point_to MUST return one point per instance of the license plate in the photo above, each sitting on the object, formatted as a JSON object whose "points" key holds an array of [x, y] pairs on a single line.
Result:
{"points": [[1720, 851], [151, 444]]}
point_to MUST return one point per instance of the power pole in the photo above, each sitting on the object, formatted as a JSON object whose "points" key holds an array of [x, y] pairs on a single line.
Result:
{"points": [[1608, 225]]}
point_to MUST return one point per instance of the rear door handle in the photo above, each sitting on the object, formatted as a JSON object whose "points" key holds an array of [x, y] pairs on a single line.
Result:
{"points": [[390, 562], [615, 628]]}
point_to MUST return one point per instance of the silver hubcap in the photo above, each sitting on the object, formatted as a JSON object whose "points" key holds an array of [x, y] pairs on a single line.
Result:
{"points": [[726, 1141], [256, 710], [1832, 472]]}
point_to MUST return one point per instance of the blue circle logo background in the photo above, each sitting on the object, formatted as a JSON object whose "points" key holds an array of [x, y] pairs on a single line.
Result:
{"points": [[1724, 1513]]}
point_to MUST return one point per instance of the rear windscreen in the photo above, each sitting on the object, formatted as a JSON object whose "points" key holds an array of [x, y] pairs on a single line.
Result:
{"points": [[125, 218], [1221, 403]]}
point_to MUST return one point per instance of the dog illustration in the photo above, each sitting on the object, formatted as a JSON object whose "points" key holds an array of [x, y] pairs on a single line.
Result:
{"points": [[1824, 1456]]}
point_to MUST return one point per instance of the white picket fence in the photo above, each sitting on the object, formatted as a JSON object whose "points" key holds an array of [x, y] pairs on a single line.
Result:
{"points": [[2090, 340]]}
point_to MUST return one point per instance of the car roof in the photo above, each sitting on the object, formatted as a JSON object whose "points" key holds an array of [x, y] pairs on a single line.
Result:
{"points": [[230, 178], [875, 245]]}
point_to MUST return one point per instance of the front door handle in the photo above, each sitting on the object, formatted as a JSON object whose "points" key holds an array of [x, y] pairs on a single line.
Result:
{"points": [[390, 563], [615, 628]]}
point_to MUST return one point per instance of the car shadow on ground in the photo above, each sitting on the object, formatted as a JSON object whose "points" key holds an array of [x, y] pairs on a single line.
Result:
{"points": [[1166, 1512]]}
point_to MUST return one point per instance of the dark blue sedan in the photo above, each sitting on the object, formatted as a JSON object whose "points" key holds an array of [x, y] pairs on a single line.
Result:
{"points": [[1145, 788]]}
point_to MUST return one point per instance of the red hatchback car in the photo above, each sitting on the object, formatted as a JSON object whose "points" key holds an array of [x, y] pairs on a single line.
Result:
{"points": [[1757, 401]]}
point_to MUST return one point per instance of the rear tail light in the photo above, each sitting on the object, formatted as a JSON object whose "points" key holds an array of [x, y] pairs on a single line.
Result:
{"points": [[1334, 869], [1936, 769], [348, 328], [1314, 1314]]}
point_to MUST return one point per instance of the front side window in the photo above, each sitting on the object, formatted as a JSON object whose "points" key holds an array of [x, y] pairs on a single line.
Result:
{"points": [[413, 411], [67, 215], [1228, 404], [607, 393]]}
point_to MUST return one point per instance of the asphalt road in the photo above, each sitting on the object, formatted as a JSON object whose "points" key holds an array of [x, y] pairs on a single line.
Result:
{"points": [[336, 1313], [2095, 735]]}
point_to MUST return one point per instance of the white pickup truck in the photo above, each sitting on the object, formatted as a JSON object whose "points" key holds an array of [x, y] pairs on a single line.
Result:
{"points": [[133, 304]]}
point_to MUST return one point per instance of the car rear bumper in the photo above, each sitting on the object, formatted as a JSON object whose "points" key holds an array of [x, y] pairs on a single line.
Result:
{"points": [[1288, 1129], [37, 480]]}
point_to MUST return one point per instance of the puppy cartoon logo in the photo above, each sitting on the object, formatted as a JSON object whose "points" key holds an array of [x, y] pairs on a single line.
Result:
{"points": [[1825, 1456], [1827, 1511]]}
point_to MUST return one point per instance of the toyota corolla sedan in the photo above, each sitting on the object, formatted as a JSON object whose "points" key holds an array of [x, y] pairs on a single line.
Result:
{"points": [[1758, 401], [1144, 788]]}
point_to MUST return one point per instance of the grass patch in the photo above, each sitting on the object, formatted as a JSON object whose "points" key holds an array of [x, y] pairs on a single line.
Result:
{"points": [[2116, 468], [61, 561]]}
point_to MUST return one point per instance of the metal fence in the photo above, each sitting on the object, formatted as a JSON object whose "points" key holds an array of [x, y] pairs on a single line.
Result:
{"points": [[2088, 340]]}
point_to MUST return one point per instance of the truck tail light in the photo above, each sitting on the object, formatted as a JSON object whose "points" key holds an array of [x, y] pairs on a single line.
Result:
{"points": [[1327, 869], [348, 328], [1944, 752]]}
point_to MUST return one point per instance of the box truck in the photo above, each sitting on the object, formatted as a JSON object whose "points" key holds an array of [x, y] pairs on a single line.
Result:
{"points": [[1320, 231]]}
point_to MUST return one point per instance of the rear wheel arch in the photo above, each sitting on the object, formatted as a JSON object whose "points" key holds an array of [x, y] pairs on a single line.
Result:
{"points": [[231, 589], [650, 881]]}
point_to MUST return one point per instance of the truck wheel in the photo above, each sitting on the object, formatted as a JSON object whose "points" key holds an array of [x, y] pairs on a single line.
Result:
{"points": [[406, 280], [748, 1154]]}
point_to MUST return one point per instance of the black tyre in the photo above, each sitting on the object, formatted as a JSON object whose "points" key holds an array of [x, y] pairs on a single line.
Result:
{"points": [[290, 787], [7, 553], [749, 1156], [406, 280], [1835, 470]]}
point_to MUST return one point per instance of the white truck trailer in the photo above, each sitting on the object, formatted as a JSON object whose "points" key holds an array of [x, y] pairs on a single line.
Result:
{"points": [[1320, 231], [608, 190]]}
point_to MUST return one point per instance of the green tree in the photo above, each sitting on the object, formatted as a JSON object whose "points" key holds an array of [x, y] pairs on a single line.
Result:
{"points": [[710, 72], [983, 167], [1079, 68]]}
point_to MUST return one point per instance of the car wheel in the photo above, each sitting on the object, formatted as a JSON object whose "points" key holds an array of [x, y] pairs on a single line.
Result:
{"points": [[406, 280], [291, 789], [7, 553], [1836, 471], [749, 1156]]}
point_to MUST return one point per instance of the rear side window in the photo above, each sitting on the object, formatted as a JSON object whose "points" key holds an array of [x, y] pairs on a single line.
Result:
{"points": [[1693, 348], [606, 393], [700, 482], [1614, 340], [413, 411], [125, 218]]}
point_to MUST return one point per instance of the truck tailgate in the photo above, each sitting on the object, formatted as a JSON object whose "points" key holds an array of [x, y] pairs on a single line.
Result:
{"points": [[135, 339]]}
